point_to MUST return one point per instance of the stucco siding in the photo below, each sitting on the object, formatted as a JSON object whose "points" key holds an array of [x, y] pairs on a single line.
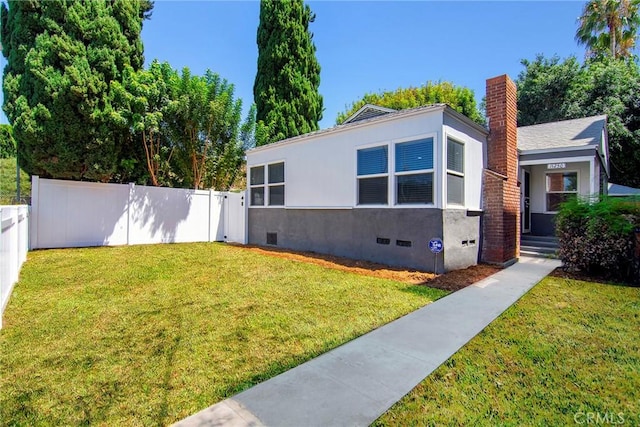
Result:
{"points": [[354, 233], [320, 171]]}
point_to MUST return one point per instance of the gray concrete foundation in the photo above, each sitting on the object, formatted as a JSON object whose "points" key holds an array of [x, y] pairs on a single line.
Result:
{"points": [[396, 237]]}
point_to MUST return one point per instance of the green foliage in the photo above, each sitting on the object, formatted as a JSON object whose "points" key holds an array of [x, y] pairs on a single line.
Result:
{"points": [[204, 125], [286, 86], [459, 98], [551, 90], [7, 143], [8, 183], [609, 28], [143, 98], [600, 237], [62, 58]]}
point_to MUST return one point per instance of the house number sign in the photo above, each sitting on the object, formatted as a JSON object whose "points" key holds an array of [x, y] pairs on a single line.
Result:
{"points": [[556, 165]]}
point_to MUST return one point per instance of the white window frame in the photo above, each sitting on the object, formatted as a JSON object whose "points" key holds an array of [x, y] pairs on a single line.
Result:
{"points": [[453, 172], [546, 186], [263, 185], [266, 185], [392, 159], [377, 175]]}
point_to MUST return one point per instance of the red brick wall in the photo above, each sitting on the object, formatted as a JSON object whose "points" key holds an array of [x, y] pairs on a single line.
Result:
{"points": [[501, 194]]}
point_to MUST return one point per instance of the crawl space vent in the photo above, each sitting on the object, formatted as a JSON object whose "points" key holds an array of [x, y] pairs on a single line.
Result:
{"points": [[272, 238]]}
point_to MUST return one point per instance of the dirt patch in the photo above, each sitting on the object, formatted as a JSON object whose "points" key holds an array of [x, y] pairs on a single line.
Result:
{"points": [[451, 281]]}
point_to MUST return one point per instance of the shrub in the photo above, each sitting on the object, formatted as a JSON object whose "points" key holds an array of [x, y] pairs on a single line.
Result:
{"points": [[601, 238]]}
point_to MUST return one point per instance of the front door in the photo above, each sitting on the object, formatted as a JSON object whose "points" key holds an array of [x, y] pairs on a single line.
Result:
{"points": [[526, 202]]}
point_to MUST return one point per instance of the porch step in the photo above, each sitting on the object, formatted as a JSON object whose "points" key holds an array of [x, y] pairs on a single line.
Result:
{"points": [[539, 246]]}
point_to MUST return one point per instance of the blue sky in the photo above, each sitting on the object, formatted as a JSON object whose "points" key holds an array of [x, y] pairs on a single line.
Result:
{"points": [[365, 46]]}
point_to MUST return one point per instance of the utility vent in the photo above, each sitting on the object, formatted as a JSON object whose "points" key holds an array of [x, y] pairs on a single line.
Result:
{"points": [[383, 241], [404, 243], [272, 239]]}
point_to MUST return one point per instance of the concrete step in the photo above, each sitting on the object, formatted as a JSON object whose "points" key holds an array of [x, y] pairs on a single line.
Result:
{"points": [[538, 251], [532, 238], [539, 243]]}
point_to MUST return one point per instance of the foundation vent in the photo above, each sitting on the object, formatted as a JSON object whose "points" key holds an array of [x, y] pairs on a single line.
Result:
{"points": [[383, 241], [403, 243], [272, 239]]}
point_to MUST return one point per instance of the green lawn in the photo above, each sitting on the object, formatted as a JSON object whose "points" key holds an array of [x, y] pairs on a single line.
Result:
{"points": [[145, 335], [568, 350], [8, 182]]}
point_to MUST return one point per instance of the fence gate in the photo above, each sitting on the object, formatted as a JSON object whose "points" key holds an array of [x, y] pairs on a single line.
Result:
{"points": [[235, 218]]}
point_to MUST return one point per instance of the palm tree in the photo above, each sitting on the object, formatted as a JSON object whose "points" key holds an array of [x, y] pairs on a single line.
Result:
{"points": [[609, 27]]}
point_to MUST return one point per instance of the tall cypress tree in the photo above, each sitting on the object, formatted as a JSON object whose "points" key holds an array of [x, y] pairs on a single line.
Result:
{"points": [[62, 57], [286, 86]]}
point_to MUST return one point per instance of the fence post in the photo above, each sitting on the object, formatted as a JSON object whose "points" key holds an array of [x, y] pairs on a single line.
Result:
{"points": [[132, 188], [35, 203]]}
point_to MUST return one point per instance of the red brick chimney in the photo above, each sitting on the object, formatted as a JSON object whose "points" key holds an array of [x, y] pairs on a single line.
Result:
{"points": [[501, 194]]}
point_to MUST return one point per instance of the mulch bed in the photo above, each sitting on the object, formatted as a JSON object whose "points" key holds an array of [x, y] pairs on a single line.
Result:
{"points": [[451, 281]]}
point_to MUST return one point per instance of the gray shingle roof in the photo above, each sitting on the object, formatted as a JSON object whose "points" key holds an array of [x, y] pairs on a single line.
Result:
{"points": [[567, 133], [622, 190], [368, 111]]}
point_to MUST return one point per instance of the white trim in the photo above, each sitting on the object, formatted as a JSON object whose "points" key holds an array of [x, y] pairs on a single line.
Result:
{"points": [[265, 185], [556, 160], [546, 186], [448, 171], [320, 207], [592, 176], [558, 150]]}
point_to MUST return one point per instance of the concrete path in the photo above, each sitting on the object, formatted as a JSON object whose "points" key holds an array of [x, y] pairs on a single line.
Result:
{"points": [[359, 381]]}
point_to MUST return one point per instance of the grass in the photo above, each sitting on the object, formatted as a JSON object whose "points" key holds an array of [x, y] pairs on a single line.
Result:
{"points": [[566, 351], [145, 335], [8, 182]]}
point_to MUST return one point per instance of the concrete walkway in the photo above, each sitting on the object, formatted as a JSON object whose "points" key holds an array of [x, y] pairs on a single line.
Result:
{"points": [[359, 381]]}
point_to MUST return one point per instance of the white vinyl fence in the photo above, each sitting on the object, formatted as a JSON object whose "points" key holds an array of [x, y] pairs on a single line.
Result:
{"points": [[76, 214], [14, 243]]}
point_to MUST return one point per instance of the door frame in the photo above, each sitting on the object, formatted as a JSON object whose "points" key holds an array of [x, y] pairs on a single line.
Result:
{"points": [[526, 201]]}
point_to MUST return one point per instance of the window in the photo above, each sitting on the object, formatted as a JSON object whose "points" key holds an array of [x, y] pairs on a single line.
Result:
{"points": [[274, 191], [256, 182], [373, 179], [414, 172], [455, 172], [561, 186], [276, 184]]}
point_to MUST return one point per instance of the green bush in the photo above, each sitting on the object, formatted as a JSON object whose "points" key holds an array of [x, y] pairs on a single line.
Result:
{"points": [[7, 143], [600, 237]]}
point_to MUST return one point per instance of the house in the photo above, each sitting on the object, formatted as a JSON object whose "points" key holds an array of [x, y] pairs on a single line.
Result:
{"points": [[557, 161], [383, 184]]}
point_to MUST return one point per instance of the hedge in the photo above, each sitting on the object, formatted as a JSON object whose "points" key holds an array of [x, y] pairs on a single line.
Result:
{"points": [[601, 238]]}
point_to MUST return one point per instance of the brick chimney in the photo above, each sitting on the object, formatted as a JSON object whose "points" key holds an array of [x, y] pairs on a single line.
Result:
{"points": [[500, 193]]}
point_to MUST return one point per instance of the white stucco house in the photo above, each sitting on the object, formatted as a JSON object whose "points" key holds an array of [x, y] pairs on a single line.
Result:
{"points": [[384, 183]]}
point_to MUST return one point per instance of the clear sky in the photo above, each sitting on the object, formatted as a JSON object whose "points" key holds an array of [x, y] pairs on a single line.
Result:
{"points": [[367, 46]]}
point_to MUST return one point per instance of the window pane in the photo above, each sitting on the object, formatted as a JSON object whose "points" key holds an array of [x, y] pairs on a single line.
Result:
{"points": [[571, 181], [415, 188], [455, 156], [276, 173], [555, 199], [455, 189], [373, 191], [567, 181], [414, 155], [257, 196], [257, 175], [276, 195], [372, 160]]}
